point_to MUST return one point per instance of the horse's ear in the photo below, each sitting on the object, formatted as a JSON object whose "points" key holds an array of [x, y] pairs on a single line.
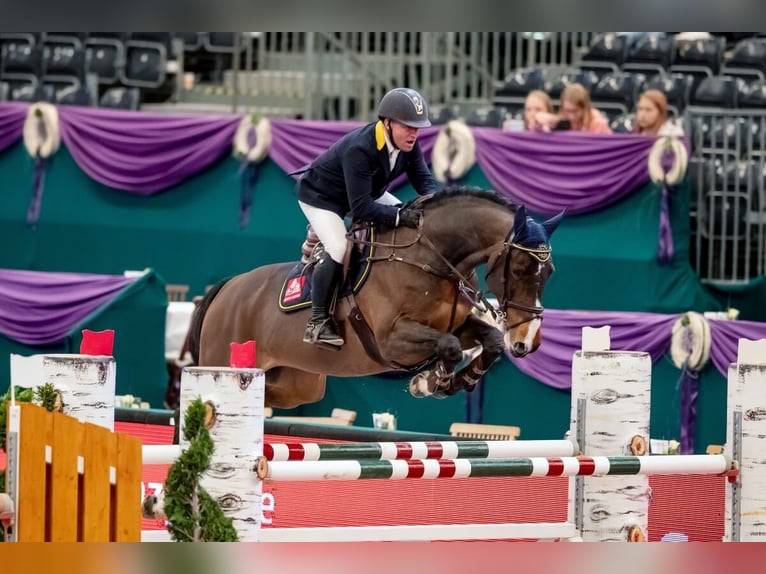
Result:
{"points": [[519, 220], [551, 224]]}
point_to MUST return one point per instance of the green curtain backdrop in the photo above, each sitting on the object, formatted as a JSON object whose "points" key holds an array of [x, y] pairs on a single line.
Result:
{"points": [[189, 234]]}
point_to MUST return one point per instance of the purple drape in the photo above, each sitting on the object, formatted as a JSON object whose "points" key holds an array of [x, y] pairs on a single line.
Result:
{"points": [[561, 331], [142, 152], [39, 308], [296, 143], [725, 336], [551, 172], [12, 116]]}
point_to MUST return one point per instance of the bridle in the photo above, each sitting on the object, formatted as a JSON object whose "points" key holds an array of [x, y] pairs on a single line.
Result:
{"points": [[463, 283], [541, 254]]}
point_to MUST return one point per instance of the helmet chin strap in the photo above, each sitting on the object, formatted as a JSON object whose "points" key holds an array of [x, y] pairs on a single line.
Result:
{"points": [[390, 133]]}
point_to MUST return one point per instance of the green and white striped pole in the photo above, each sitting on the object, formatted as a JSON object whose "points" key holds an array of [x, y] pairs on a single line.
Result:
{"points": [[465, 468]]}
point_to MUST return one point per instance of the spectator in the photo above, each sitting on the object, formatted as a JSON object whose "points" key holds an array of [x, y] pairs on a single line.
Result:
{"points": [[536, 102], [576, 113], [652, 115]]}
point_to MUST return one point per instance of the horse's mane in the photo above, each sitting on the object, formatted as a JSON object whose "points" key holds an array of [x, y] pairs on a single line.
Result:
{"points": [[453, 192]]}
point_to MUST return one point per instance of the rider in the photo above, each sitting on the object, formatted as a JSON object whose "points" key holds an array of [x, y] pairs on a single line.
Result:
{"points": [[350, 178]]}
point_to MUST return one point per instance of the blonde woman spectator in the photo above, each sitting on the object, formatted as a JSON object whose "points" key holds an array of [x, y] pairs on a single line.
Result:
{"points": [[576, 113], [652, 115], [537, 102]]}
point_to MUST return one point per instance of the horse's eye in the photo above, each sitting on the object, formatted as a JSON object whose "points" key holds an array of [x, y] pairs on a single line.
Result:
{"points": [[517, 271]]}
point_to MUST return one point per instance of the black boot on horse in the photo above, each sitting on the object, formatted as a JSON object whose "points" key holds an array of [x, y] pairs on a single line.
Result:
{"points": [[321, 326]]}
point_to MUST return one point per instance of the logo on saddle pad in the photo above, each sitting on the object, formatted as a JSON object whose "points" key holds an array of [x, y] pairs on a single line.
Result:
{"points": [[295, 293], [294, 289]]}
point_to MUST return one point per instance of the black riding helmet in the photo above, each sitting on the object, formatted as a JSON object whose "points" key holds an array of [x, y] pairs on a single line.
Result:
{"points": [[405, 106]]}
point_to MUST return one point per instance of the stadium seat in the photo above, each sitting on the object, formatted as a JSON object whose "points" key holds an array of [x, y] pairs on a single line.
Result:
{"points": [[616, 92], [748, 60], [652, 53], [516, 86], [554, 87], [145, 64], [21, 61], [676, 87], [165, 39], [716, 91], [607, 53], [752, 95], [105, 57], [33, 93], [487, 117], [121, 98], [74, 39], [28, 38], [699, 58], [192, 40], [440, 114], [624, 123], [75, 96], [64, 63]]}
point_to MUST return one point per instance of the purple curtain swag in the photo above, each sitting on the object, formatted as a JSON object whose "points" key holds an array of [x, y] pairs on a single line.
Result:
{"points": [[38, 308], [145, 153], [551, 364]]}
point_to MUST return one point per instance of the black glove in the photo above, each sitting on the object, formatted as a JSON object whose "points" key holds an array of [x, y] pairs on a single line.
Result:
{"points": [[409, 217]]}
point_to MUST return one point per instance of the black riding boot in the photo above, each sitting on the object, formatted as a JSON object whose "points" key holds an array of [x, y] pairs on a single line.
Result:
{"points": [[321, 327]]}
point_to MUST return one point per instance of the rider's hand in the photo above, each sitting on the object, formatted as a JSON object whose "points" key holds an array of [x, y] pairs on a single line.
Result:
{"points": [[409, 217]]}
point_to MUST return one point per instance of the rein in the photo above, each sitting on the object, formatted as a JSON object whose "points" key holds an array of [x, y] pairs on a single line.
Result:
{"points": [[462, 283]]}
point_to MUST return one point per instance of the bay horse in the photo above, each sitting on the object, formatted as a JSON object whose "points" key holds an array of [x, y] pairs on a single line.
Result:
{"points": [[419, 310]]}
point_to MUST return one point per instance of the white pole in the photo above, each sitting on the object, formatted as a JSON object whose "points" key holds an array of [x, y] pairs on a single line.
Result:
{"points": [[160, 453], [408, 533]]}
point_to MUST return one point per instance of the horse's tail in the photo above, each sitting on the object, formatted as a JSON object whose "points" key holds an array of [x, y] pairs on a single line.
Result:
{"points": [[195, 328]]}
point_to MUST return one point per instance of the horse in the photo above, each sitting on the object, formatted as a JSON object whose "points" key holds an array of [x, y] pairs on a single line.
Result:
{"points": [[419, 310]]}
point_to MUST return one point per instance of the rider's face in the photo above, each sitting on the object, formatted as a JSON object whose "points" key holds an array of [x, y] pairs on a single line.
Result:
{"points": [[404, 136]]}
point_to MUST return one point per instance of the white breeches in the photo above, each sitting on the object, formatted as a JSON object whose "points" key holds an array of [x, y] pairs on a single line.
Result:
{"points": [[330, 227]]}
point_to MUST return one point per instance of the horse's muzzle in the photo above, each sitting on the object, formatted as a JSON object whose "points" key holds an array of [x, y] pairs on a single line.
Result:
{"points": [[519, 349]]}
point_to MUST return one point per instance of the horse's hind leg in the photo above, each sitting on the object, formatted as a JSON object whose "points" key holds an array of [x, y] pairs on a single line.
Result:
{"points": [[287, 388]]}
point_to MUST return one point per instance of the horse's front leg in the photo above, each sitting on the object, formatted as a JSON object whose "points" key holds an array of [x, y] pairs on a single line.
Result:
{"points": [[475, 330], [409, 340]]}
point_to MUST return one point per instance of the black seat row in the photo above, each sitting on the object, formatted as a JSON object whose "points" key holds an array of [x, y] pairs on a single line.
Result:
{"points": [[115, 97], [659, 52]]}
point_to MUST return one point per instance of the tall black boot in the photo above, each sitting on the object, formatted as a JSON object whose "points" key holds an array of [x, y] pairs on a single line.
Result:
{"points": [[321, 327]]}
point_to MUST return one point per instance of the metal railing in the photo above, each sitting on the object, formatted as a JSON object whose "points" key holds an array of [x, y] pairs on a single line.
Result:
{"points": [[727, 168], [343, 75]]}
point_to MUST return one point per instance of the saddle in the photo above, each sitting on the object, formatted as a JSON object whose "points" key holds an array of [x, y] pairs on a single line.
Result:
{"points": [[295, 293]]}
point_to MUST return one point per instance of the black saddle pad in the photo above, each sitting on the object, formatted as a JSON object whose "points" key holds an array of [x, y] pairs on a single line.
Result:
{"points": [[295, 293]]}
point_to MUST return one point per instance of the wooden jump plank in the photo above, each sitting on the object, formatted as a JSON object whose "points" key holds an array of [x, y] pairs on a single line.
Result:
{"points": [[64, 501], [127, 516], [100, 453], [34, 434]]}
